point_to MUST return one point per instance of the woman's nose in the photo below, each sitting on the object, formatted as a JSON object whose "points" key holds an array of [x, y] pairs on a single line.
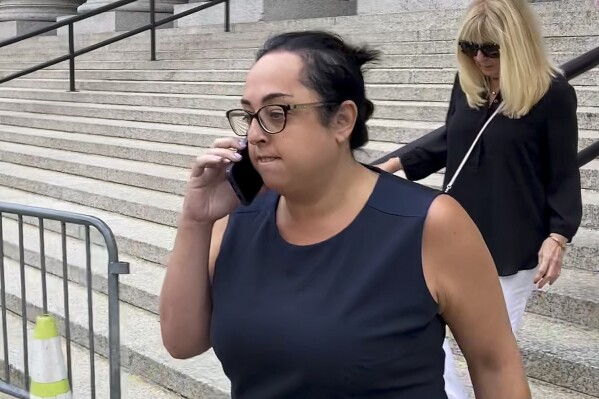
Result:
{"points": [[255, 132], [480, 56]]}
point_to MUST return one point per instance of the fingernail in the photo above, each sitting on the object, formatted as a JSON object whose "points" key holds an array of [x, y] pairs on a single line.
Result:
{"points": [[237, 156], [225, 160], [243, 143]]}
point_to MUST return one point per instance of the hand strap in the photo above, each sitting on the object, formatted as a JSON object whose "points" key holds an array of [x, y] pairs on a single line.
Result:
{"points": [[457, 172]]}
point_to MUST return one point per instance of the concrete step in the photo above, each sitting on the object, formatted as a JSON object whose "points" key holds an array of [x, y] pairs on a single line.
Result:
{"points": [[177, 116], [545, 10], [142, 239], [561, 353], [140, 288], [162, 178], [247, 49], [399, 21], [95, 156], [159, 132], [193, 43], [583, 253], [43, 154], [587, 96], [388, 131], [233, 57], [589, 175], [573, 298], [538, 388], [132, 385], [425, 29], [226, 80], [129, 149], [141, 346], [353, 27], [588, 117], [145, 204], [142, 203]]}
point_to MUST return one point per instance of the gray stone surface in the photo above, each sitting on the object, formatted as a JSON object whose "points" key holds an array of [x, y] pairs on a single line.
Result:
{"points": [[162, 178], [119, 149], [10, 29], [133, 386], [145, 240], [161, 6], [242, 11], [573, 298], [388, 6], [145, 204], [37, 10], [114, 21], [138, 150], [141, 349], [276, 10]]}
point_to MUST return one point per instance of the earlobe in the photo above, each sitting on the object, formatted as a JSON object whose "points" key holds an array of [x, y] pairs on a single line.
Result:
{"points": [[345, 120]]}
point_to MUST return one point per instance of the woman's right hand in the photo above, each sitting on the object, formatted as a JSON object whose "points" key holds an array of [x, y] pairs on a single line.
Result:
{"points": [[209, 196]]}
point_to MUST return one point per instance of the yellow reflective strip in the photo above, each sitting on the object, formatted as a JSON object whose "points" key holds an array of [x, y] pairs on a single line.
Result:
{"points": [[45, 328], [50, 389]]}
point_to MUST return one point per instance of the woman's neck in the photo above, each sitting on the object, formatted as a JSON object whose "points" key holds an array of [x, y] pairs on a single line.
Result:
{"points": [[493, 85], [319, 214], [345, 184]]}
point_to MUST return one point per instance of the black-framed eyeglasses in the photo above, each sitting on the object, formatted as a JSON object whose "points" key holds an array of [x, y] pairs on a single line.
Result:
{"points": [[490, 50], [272, 118]]}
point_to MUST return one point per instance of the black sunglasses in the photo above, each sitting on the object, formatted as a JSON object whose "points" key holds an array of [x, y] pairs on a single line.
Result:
{"points": [[490, 50]]}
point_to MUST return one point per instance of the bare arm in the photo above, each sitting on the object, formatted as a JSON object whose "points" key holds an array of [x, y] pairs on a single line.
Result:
{"points": [[185, 303], [462, 277]]}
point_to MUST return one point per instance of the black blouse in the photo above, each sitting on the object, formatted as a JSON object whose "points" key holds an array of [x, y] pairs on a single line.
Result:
{"points": [[521, 182]]}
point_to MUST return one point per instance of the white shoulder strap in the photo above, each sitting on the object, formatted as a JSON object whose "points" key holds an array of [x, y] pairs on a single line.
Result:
{"points": [[457, 172]]}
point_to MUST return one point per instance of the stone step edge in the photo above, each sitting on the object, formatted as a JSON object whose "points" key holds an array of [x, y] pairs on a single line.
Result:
{"points": [[147, 360], [80, 357], [79, 330]]}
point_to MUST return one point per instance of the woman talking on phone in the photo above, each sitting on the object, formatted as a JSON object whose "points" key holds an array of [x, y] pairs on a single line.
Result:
{"points": [[338, 280]]}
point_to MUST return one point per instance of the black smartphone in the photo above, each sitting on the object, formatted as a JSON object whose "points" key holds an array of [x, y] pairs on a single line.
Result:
{"points": [[244, 178]]}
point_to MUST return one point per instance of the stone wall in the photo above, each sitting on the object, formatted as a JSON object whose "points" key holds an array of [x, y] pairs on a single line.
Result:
{"points": [[392, 6], [277, 10], [243, 11]]}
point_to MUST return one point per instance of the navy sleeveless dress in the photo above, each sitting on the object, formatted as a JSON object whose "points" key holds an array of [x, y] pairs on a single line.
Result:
{"points": [[349, 317]]}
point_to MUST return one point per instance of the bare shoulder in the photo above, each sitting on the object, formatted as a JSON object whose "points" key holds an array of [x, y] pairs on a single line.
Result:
{"points": [[446, 216], [453, 250]]}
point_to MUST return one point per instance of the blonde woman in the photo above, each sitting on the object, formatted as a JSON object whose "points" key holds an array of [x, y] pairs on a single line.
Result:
{"points": [[521, 183]]}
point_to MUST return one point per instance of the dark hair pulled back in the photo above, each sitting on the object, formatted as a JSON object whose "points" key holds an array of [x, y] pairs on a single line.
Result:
{"points": [[333, 69]]}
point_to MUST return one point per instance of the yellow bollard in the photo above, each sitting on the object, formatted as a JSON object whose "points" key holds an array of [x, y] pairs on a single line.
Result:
{"points": [[46, 364]]}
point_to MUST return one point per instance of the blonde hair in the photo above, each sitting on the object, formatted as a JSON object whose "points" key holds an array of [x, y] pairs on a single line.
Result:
{"points": [[525, 69]]}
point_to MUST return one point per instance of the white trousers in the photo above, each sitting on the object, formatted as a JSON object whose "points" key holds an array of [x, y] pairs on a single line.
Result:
{"points": [[517, 289]]}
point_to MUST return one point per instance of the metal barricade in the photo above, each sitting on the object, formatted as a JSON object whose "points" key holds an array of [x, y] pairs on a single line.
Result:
{"points": [[27, 216]]}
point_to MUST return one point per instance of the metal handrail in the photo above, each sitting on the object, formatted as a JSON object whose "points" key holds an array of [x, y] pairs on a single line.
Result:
{"points": [[75, 53], [572, 69]]}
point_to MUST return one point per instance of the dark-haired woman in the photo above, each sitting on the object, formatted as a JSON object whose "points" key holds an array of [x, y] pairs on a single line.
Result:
{"points": [[338, 280]]}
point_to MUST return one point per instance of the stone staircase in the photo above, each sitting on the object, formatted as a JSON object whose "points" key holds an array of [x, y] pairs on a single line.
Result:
{"points": [[119, 149]]}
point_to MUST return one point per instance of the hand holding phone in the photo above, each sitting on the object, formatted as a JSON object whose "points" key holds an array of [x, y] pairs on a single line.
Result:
{"points": [[244, 178]]}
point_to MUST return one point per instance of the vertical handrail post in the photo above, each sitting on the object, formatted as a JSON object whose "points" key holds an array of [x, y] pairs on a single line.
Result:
{"points": [[72, 58], [227, 16], [153, 30], [114, 333]]}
